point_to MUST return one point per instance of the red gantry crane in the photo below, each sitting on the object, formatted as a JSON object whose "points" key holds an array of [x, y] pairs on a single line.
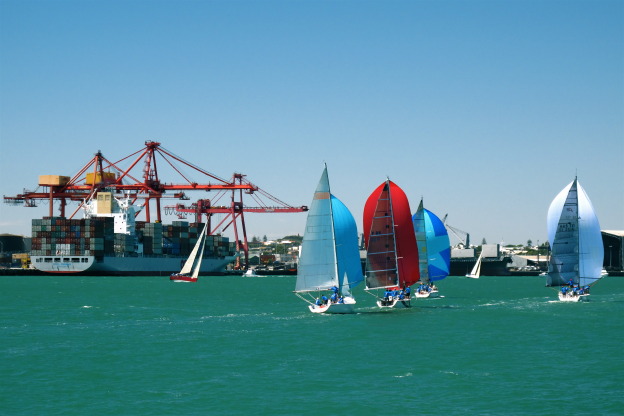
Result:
{"points": [[100, 173]]}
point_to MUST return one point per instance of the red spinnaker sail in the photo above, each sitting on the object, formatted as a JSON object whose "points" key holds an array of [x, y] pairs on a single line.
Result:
{"points": [[390, 198]]}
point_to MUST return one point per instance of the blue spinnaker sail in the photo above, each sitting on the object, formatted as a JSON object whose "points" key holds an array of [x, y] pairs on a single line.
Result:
{"points": [[434, 247], [347, 249]]}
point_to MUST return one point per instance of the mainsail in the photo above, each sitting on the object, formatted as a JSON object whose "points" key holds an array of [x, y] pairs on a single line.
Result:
{"points": [[329, 247], [193, 258], [392, 254], [574, 234], [434, 249]]}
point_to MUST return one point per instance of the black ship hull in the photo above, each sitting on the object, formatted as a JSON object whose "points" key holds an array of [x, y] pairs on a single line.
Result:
{"points": [[489, 266]]}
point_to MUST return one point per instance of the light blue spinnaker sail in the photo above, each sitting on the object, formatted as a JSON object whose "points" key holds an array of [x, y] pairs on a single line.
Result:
{"points": [[434, 248], [574, 234], [347, 248], [329, 250]]}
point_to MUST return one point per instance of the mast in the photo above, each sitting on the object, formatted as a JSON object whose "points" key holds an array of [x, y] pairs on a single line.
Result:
{"points": [[578, 232], [420, 228], [396, 258], [381, 263], [333, 233]]}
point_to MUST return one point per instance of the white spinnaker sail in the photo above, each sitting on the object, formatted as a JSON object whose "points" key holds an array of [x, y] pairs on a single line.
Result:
{"points": [[574, 234]]}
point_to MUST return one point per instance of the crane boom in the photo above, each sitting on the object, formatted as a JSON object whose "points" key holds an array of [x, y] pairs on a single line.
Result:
{"points": [[102, 174], [465, 240]]}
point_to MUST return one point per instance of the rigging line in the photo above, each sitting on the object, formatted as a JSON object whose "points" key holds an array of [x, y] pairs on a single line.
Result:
{"points": [[180, 159], [376, 296], [302, 298], [163, 155], [258, 200], [380, 270], [266, 194]]}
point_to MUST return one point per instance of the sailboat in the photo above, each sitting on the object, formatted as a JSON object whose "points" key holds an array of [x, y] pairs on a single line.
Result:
{"points": [[190, 270], [475, 273], [329, 261], [250, 273], [391, 251], [577, 250], [434, 251]]}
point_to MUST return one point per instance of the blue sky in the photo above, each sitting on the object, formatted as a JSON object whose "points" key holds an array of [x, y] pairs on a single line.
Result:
{"points": [[486, 109]]}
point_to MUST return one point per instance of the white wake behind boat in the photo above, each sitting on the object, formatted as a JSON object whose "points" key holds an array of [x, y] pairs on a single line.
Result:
{"points": [[250, 273]]}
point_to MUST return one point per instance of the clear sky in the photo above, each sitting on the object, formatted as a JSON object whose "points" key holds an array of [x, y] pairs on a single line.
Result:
{"points": [[486, 109]]}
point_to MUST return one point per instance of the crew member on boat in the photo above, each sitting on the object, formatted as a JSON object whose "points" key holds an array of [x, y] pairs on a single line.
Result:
{"points": [[407, 291]]}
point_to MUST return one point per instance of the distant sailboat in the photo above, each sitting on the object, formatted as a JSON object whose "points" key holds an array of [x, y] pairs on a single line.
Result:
{"points": [[190, 270], [475, 273], [434, 251], [576, 243], [330, 257], [391, 251], [250, 273]]}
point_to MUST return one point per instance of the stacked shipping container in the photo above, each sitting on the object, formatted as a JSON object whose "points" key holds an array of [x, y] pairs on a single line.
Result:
{"points": [[61, 236], [95, 237]]}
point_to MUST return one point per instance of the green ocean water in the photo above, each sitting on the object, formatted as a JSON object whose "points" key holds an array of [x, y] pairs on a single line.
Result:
{"points": [[239, 346]]}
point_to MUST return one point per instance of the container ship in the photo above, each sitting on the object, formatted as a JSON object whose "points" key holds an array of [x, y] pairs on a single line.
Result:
{"points": [[108, 241]]}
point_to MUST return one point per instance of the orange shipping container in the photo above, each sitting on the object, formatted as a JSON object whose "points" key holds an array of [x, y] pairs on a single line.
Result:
{"points": [[53, 180]]}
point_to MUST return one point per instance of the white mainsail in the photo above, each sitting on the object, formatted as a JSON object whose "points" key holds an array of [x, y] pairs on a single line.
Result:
{"points": [[476, 269], [317, 269], [188, 264], [201, 254]]}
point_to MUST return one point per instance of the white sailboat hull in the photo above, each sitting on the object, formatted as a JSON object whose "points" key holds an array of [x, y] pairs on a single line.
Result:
{"points": [[395, 303], [433, 294], [570, 297], [347, 307]]}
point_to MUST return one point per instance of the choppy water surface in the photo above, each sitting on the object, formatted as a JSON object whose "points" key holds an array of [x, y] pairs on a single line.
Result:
{"points": [[235, 345]]}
